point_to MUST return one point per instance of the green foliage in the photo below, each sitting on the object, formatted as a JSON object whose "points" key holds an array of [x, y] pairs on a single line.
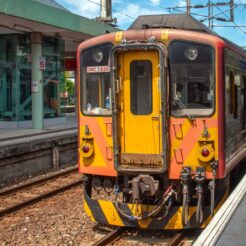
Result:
{"points": [[69, 87]]}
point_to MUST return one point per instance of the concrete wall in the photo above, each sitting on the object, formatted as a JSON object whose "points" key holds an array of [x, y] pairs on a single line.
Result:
{"points": [[31, 156]]}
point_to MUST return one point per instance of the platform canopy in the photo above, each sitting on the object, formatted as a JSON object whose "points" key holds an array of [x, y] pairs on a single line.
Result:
{"points": [[49, 18]]}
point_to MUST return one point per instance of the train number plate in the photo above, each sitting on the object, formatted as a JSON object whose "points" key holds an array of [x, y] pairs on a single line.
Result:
{"points": [[98, 69], [141, 159]]}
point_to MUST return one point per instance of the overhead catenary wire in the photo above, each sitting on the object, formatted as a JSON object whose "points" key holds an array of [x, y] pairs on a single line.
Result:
{"points": [[200, 6], [211, 4], [234, 24], [168, 9], [197, 6], [148, 1], [116, 11]]}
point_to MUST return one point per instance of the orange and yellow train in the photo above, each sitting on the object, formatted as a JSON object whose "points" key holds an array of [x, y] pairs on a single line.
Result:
{"points": [[162, 122]]}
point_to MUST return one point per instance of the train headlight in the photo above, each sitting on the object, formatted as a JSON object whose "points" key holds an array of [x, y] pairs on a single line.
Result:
{"points": [[206, 153], [191, 53], [97, 56], [87, 150]]}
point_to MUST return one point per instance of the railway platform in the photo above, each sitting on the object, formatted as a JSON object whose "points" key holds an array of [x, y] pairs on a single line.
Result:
{"points": [[228, 226], [7, 131], [25, 152]]}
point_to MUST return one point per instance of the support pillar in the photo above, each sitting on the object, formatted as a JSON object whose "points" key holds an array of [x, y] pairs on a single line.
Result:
{"points": [[37, 83]]}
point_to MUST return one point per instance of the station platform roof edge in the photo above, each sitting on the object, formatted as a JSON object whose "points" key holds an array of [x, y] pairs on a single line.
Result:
{"points": [[57, 17]]}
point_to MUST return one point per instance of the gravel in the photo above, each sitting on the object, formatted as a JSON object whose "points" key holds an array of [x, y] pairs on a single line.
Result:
{"points": [[59, 220]]}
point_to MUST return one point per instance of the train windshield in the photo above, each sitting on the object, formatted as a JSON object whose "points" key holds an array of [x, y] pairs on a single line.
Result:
{"points": [[95, 78], [192, 79]]}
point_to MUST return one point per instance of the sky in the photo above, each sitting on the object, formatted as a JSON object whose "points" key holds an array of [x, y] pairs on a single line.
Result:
{"points": [[127, 10]]}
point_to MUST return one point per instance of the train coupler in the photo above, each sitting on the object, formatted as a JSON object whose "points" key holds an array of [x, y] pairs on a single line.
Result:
{"points": [[185, 177], [214, 166], [200, 177]]}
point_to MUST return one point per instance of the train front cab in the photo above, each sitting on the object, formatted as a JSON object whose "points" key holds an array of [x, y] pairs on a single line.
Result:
{"points": [[157, 166]]}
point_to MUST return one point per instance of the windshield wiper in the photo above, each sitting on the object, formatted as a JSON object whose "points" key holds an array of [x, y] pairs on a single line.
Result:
{"points": [[182, 106]]}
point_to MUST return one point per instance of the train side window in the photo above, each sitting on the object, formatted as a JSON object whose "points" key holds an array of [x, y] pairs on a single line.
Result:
{"points": [[233, 99], [243, 101], [231, 90], [141, 87], [244, 93]]}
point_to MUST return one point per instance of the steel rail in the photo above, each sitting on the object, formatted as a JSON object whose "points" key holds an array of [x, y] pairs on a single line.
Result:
{"points": [[110, 237], [37, 184], [67, 171], [36, 199], [177, 239]]}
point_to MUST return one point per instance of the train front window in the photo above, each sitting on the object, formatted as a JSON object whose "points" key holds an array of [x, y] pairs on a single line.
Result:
{"points": [[192, 79], [95, 81], [97, 94]]}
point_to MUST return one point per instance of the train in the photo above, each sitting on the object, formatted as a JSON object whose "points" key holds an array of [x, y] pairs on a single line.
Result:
{"points": [[162, 122]]}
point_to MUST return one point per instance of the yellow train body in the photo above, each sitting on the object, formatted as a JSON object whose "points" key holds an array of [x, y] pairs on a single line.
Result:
{"points": [[132, 141]]}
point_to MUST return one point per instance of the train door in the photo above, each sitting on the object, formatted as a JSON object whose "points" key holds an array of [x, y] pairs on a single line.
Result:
{"points": [[139, 100]]}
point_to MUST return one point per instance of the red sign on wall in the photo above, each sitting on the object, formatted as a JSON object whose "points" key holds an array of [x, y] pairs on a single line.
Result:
{"points": [[42, 63], [71, 64]]}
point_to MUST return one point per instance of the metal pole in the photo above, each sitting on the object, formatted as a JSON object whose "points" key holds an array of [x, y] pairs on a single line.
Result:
{"points": [[103, 8], [209, 14], [212, 19], [106, 13], [188, 7], [109, 8], [37, 85], [232, 10]]}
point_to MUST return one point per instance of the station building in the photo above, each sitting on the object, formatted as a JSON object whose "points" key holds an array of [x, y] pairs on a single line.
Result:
{"points": [[38, 42]]}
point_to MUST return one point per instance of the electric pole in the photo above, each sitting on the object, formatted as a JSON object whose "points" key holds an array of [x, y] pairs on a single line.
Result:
{"points": [[188, 7], [106, 13], [232, 10], [211, 16]]}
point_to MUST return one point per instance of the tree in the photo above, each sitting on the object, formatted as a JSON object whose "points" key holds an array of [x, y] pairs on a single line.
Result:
{"points": [[69, 88]]}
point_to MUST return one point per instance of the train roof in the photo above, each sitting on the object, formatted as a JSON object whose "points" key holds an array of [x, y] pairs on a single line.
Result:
{"points": [[177, 21]]}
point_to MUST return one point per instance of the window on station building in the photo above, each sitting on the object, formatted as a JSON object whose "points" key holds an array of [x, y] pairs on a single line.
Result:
{"points": [[15, 76], [9, 77], [53, 76]]}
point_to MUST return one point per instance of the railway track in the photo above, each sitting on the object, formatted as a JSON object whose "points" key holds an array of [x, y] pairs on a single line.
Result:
{"points": [[18, 197], [114, 237], [111, 237], [197, 237]]}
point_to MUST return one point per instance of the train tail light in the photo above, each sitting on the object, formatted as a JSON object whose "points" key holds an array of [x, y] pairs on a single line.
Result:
{"points": [[205, 152], [87, 150]]}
